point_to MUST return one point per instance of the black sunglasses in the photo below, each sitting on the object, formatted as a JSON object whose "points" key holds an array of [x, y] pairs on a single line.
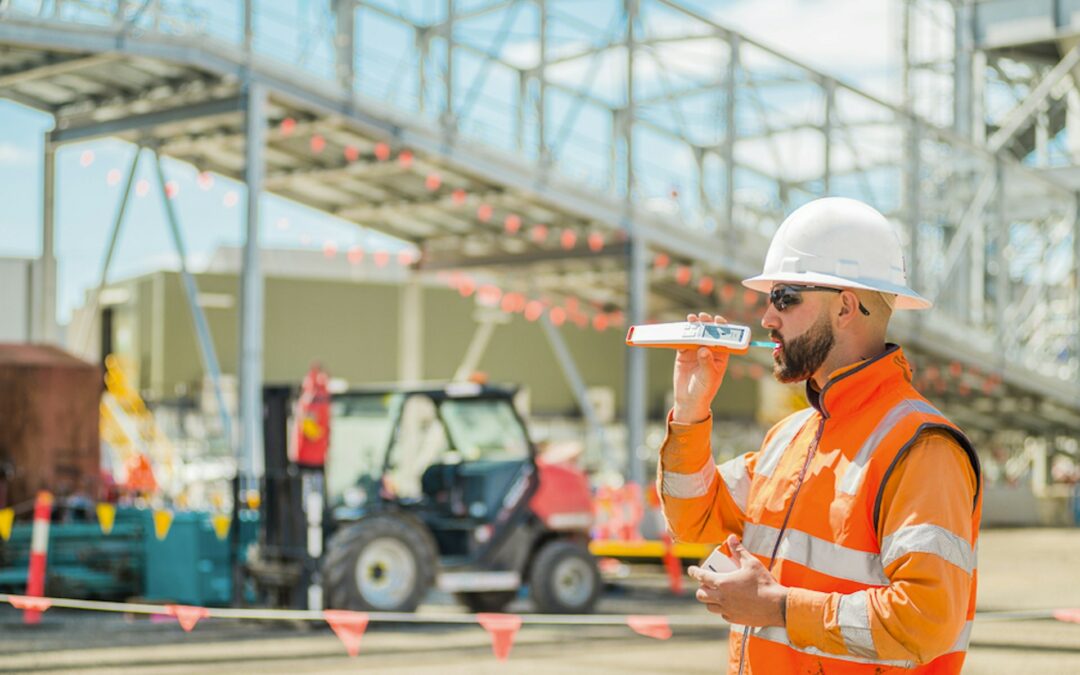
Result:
{"points": [[785, 295]]}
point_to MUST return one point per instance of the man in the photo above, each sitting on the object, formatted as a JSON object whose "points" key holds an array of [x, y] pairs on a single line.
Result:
{"points": [[855, 525]]}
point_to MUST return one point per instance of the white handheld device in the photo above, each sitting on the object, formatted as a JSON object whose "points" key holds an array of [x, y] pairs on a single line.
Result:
{"points": [[683, 334], [719, 563]]}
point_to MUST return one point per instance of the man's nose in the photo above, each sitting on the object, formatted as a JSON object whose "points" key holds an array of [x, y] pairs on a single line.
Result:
{"points": [[770, 320]]}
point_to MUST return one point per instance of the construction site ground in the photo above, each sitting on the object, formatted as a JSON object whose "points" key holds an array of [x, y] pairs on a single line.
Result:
{"points": [[1018, 570]]}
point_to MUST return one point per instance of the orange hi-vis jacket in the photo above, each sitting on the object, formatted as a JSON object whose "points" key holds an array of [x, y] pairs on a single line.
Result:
{"points": [[866, 506]]}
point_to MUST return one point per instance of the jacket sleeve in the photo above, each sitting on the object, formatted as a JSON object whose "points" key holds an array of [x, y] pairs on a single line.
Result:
{"points": [[702, 502], [927, 551]]}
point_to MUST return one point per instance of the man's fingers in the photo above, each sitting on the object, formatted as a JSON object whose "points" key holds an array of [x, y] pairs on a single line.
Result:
{"points": [[705, 317]]}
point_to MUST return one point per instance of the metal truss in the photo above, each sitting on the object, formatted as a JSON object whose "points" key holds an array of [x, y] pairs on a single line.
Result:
{"points": [[643, 122]]}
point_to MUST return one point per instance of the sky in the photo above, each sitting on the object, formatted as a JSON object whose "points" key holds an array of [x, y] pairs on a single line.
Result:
{"points": [[823, 33]]}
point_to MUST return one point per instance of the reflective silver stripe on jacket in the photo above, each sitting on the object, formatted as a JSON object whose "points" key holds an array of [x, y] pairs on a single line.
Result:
{"points": [[962, 641], [927, 538], [818, 554], [771, 453], [779, 635], [688, 485], [853, 478], [854, 620], [737, 480]]}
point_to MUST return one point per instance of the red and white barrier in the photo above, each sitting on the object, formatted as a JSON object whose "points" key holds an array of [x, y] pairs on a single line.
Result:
{"points": [[39, 550]]}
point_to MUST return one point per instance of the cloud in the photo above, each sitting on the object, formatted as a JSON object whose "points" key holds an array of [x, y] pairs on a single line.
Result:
{"points": [[841, 37], [15, 155]]}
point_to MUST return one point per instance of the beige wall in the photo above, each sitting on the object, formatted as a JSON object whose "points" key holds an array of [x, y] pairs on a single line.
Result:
{"points": [[353, 329]]}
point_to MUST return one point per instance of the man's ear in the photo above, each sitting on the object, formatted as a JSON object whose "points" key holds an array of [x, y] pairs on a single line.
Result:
{"points": [[849, 306]]}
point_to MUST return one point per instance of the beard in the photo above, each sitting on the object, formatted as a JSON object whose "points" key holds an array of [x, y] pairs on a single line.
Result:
{"points": [[800, 357]]}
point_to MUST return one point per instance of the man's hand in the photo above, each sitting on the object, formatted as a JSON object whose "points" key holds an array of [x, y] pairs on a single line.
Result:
{"points": [[750, 595], [698, 374]]}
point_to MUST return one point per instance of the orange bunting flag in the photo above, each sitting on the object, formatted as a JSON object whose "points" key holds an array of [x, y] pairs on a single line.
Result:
{"points": [[187, 615], [650, 626], [348, 626], [27, 602], [503, 628], [1070, 615]]}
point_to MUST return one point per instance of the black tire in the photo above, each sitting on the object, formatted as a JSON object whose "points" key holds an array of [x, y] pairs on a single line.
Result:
{"points": [[486, 601], [564, 579], [398, 556]]}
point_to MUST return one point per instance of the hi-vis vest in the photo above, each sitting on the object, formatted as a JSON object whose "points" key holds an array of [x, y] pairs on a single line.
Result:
{"points": [[820, 531]]}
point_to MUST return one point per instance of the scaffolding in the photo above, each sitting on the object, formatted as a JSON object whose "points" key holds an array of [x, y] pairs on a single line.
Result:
{"points": [[501, 136]]}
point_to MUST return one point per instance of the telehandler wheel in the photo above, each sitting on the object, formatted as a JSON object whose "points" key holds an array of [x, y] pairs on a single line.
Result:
{"points": [[385, 562], [564, 579]]}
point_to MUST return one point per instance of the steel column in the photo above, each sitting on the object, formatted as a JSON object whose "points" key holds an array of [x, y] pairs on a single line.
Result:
{"points": [[730, 132], [44, 328], [344, 43], [636, 365], [411, 339], [912, 168], [1001, 279], [1076, 279], [826, 135], [448, 120], [541, 85], [963, 84], [251, 293]]}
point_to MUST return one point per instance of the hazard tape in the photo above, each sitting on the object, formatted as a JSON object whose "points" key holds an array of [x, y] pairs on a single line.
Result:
{"points": [[349, 626]]}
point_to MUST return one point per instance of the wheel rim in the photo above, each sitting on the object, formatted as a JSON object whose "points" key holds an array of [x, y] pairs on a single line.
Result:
{"points": [[385, 573], [572, 581]]}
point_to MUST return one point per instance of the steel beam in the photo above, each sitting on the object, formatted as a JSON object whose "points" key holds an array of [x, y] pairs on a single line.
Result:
{"points": [[1021, 115], [251, 292], [577, 387], [55, 67], [147, 122], [485, 328], [191, 293], [95, 299]]}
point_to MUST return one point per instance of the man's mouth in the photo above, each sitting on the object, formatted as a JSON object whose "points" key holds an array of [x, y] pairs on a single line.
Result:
{"points": [[779, 345]]}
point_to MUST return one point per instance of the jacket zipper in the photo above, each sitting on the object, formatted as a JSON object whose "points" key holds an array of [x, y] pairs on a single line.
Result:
{"points": [[783, 527]]}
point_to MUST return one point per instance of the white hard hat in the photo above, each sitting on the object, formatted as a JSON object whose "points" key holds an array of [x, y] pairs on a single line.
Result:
{"points": [[841, 243]]}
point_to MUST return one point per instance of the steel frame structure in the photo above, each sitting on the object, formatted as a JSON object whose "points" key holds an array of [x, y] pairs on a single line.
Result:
{"points": [[644, 121]]}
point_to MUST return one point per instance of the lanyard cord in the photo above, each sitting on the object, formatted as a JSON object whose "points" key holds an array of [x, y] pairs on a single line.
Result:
{"points": [[783, 528]]}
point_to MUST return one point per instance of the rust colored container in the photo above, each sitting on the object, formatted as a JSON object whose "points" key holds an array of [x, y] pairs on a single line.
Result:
{"points": [[49, 417]]}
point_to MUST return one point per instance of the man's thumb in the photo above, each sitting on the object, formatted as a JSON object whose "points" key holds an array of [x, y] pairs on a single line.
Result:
{"points": [[738, 551]]}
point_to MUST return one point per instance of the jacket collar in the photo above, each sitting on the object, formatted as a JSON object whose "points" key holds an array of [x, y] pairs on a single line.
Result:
{"points": [[850, 389]]}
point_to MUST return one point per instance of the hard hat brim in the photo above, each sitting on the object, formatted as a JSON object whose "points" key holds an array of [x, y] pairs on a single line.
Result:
{"points": [[905, 297]]}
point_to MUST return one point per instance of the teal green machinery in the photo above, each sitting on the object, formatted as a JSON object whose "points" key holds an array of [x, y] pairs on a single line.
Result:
{"points": [[190, 565]]}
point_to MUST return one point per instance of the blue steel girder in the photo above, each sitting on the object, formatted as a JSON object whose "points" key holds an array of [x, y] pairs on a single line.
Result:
{"points": [[732, 157]]}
